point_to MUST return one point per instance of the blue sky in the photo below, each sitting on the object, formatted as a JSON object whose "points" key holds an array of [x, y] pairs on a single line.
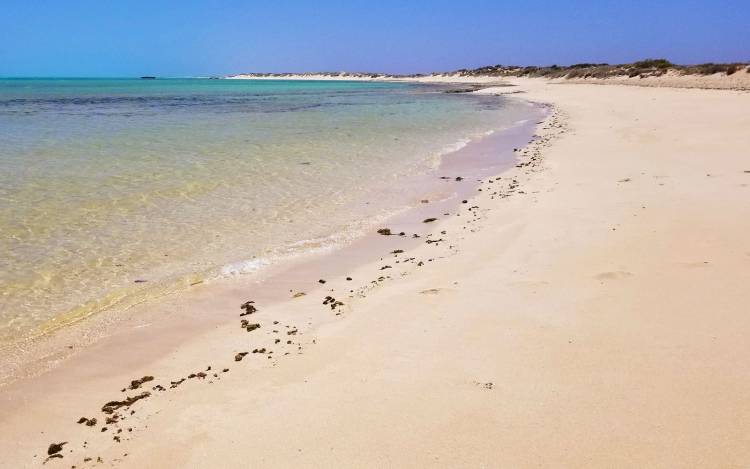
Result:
{"points": [[168, 38]]}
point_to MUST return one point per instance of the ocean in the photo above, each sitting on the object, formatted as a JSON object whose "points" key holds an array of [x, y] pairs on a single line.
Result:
{"points": [[115, 191]]}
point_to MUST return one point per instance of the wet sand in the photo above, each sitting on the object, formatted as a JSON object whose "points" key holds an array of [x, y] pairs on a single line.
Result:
{"points": [[586, 309]]}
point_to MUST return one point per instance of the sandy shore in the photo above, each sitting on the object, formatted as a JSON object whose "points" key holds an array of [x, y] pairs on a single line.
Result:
{"points": [[586, 309]]}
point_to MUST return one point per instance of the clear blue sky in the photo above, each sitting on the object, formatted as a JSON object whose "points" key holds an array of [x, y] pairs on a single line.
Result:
{"points": [[166, 37]]}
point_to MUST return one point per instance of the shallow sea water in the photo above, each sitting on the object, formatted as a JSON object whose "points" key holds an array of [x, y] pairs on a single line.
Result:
{"points": [[114, 191]]}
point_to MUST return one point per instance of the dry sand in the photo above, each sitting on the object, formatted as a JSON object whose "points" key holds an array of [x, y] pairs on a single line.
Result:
{"points": [[591, 312]]}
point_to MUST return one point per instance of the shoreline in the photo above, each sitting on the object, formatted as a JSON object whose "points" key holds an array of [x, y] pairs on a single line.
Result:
{"points": [[149, 345], [58, 341], [39, 353], [563, 310]]}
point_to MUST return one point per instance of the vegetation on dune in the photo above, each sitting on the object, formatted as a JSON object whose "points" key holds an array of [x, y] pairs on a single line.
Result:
{"points": [[711, 68], [642, 68]]}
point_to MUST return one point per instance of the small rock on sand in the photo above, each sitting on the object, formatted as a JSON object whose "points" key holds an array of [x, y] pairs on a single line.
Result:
{"points": [[55, 448]]}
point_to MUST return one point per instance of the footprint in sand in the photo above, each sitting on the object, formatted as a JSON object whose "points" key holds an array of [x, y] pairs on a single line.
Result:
{"points": [[613, 275], [487, 385], [431, 291]]}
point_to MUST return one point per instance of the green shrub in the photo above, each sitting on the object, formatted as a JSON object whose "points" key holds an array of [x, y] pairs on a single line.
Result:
{"points": [[653, 63], [642, 68]]}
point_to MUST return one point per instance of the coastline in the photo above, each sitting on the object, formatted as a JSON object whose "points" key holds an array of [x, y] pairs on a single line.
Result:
{"points": [[40, 353], [89, 323], [498, 348]]}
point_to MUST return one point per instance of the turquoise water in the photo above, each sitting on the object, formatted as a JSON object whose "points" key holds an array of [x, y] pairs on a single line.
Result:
{"points": [[113, 191]]}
